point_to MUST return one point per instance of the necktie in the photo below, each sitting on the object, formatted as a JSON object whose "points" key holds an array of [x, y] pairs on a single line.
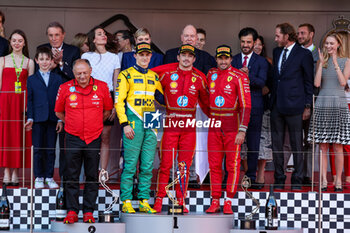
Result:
{"points": [[284, 58], [245, 61]]}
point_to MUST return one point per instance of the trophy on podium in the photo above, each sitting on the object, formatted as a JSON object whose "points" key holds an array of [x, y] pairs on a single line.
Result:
{"points": [[108, 216], [248, 222], [175, 207]]}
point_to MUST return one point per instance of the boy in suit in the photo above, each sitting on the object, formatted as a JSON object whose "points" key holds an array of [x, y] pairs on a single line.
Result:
{"points": [[42, 89]]}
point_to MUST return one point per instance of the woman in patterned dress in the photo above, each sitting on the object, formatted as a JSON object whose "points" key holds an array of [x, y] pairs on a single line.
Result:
{"points": [[331, 120]]}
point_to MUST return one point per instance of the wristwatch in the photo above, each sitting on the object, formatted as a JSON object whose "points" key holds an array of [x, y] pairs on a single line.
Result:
{"points": [[61, 63], [307, 106]]}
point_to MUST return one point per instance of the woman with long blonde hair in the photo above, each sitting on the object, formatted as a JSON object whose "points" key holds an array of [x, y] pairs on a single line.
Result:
{"points": [[331, 124]]}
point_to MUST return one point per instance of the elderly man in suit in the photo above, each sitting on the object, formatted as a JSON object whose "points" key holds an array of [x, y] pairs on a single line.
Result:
{"points": [[63, 56], [255, 67], [291, 98]]}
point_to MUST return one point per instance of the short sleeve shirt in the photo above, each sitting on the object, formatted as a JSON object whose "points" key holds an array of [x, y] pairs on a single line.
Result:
{"points": [[103, 66], [83, 108]]}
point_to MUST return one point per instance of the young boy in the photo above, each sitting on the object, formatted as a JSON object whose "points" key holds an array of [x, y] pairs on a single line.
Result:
{"points": [[42, 88]]}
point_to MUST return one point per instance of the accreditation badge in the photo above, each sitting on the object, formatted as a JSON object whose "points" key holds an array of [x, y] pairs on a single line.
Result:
{"points": [[18, 87]]}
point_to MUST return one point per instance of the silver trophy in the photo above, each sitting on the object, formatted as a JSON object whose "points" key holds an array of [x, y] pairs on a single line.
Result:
{"points": [[248, 222], [108, 216]]}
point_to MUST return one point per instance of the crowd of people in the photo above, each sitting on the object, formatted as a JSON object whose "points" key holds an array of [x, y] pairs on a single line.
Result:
{"points": [[77, 92]]}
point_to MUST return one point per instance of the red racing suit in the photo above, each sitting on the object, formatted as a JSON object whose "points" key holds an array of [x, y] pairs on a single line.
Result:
{"points": [[230, 103], [182, 91]]}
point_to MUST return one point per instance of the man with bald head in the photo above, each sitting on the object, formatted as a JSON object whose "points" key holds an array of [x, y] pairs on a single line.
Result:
{"points": [[204, 61], [82, 104]]}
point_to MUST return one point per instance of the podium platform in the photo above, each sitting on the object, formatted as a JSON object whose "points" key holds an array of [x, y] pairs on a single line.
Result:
{"points": [[34, 231], [262, 230], [163, 223], [80, 227]]}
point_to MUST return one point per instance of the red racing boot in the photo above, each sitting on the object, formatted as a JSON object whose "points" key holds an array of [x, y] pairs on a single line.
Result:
{"points": [[88, 218], [158, 203], [181, 202], [71, 218], [228, 207], [214, 208]]}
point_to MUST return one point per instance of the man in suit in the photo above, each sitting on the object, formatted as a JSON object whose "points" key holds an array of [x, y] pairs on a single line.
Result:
{"points": [[42, 89], [306, 33], [255, 67], [291, 98], [204, 61], [63, 56], [4, 46]]}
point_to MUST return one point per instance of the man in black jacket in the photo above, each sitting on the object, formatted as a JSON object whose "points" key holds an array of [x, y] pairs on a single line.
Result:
{"points": [[63, 55], [291, 98], [204, 61]]}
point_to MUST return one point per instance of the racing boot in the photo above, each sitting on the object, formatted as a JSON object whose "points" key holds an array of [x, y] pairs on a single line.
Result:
{"points": [[144, 207], [228, 207], [127, 207], [158, 204], [214, 208]]}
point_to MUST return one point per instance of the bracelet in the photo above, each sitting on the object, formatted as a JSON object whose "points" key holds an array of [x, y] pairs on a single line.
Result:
{"points": [[337, 68]]}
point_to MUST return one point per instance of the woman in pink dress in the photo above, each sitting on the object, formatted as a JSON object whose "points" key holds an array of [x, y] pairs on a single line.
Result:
{"points": [[14, 71]]}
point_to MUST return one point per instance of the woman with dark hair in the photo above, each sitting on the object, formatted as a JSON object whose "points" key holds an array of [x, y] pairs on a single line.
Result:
{"points": [[124, 40], [260, 49], [331, 121], [105, 67], [265, 151], [14, 71], [80, 40]]}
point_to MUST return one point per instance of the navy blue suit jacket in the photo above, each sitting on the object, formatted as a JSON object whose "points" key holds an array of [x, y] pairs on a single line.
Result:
{"points": [[292, 89], [129, 60], [4, 47], [42, 98], [204, 61], [258, 69], [70, 54]]}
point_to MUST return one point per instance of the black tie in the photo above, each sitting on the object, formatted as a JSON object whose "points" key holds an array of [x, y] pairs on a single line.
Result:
{"points": [[284, 58]]}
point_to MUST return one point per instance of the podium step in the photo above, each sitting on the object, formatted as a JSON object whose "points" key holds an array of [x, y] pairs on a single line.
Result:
{"points": [[80, 227], [163, 223], [262, 230], [34, 231]]}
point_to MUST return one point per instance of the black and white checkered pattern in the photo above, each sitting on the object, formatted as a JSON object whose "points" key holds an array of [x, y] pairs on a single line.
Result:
{"points": [[299, 210]]}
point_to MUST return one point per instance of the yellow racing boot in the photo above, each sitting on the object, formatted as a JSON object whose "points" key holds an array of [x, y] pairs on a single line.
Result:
{"points": [[127, 207], [144, 207]]}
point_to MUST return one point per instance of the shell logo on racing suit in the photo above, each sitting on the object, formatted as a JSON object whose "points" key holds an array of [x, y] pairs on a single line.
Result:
{"points": [[182, 101], [219, 101]]}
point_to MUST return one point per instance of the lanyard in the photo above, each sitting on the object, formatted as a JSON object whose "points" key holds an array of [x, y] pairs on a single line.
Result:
{"points": [[18, 70], [182, 184]]}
